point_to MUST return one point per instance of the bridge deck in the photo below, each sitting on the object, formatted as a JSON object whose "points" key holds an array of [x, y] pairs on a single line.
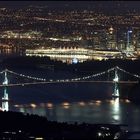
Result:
{"points": [[56, 82]]}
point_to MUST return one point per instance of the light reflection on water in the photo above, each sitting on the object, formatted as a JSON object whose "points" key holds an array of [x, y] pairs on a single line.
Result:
{"points": [[116, 110], [96, 111]]}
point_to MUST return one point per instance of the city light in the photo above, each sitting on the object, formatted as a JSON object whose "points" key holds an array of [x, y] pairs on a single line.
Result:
{"points": [[130, 31], [82, 103], [75, 60], [33, 105], [62, 80], [65, 104], [49, 105], [100, 134]]}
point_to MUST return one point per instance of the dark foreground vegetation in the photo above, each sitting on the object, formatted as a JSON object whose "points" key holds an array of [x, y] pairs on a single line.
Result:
{"points": [[14, 125], [42, 63]]}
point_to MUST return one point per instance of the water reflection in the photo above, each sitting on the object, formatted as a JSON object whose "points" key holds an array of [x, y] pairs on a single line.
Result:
{"points": [[98, 102], [22, 110], [81, 103], [127, 101], [96, 111], [116, 109], [116, 105], [78, 111], [49, 105], [66, 105]]}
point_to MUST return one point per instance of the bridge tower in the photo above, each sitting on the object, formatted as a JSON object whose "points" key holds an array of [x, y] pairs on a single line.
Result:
{"points": [[5, 104], [116, 80]]}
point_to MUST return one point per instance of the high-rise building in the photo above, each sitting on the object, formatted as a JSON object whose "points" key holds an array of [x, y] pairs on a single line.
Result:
{"points": [[96, 39], [111, 39], [103, 39]]}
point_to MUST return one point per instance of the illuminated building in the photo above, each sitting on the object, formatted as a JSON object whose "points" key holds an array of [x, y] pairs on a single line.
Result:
{"points": [[67, 55], [111, 39], [129, 40]]}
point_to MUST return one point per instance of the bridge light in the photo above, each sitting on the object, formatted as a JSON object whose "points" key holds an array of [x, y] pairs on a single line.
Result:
{"points": [[116, 79]]}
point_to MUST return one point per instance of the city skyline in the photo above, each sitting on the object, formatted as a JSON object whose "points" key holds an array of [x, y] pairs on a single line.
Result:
{"points": [[62, 32], [69, 69]]}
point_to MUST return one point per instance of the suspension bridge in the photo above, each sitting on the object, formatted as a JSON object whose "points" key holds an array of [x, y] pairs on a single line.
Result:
{"points": [[116, 79]]}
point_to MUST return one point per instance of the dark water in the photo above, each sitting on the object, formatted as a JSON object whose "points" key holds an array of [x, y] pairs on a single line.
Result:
{"points": [[81, 102], [95, 111]]}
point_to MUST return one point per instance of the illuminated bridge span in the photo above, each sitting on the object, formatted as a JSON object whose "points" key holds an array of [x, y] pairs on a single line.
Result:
{"points": [[113, 75]]}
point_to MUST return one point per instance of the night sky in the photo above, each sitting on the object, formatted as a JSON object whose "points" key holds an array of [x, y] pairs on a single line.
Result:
{"points": [[59, 4]]}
